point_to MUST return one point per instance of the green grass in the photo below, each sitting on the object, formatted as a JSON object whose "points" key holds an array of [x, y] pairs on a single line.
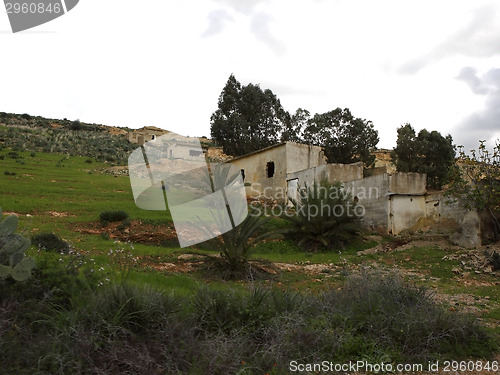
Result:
{"points": [[60, 193]]}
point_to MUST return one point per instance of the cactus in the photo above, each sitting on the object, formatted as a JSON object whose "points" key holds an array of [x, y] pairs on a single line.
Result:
{"points": [[13, 261]]}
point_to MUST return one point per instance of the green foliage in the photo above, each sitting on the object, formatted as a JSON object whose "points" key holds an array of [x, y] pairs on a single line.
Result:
{"points": [[235, 245], [247, 119], [495, 261], [50, 242], [429, 153], [89, 140], [13, 261], [127, 328], [113, 216], [345, 138], [476, 182], [324, 216], [76, 125], [14, 155]]}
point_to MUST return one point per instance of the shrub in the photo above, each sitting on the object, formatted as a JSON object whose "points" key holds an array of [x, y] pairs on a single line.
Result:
{"points": [[128, 329], [324, 215], [113, 216], [14, 155], [50, 242], [235, 245], [495, 261]]}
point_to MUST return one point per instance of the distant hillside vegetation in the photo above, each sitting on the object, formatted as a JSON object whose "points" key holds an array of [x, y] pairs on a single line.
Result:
{"points": [[35, 133]]}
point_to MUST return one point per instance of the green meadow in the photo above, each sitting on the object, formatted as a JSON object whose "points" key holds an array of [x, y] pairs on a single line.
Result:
{"points": [[125, 299]]}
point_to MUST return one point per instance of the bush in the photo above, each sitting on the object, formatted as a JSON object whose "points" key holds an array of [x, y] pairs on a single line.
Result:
{"points": [[235, 245], [113, 216], [14, 155], [50, 242], [495, 261], [324, 215], [128, 329]]}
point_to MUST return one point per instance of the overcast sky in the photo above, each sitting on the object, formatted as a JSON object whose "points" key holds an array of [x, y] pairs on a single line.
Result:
{"points": [[434, 64]]}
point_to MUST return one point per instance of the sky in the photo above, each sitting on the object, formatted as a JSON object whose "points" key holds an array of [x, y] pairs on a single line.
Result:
{"points": [[433, 64]]}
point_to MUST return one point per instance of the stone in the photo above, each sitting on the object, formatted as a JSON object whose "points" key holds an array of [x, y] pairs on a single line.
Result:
{"points": [[469, 235]]}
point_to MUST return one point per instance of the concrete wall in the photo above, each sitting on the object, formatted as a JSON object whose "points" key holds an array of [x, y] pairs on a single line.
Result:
{"points": [[373, 194], [392, 203], [255, 170], [287, 157], [300, 156], [405, 211], [331, 172], [408, 183], [438, 206]]}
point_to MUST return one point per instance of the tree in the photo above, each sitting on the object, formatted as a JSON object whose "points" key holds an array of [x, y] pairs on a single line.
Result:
{"points": [[428, 152], [297, 125], [476, 182], [405, 155], [345, 138], [247, 119]]}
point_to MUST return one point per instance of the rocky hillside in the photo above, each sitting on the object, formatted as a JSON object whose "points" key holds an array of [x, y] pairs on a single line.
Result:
{"points": [[35, 133]]}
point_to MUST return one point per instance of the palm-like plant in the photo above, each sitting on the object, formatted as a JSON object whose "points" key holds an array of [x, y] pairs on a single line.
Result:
{"points": [[323, 215], [235, 246]]}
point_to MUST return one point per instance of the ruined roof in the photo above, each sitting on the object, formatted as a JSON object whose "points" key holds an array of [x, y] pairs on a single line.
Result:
{"points": [[151, 128]]}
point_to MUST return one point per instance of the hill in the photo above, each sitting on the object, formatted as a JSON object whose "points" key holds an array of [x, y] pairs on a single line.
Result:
{"points": [[35, 133]]}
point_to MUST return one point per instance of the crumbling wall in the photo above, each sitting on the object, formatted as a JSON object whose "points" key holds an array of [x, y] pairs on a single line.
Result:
{"points": [[405, 212], [254, 167], [300, 156], [373, 194], [330, 172]]}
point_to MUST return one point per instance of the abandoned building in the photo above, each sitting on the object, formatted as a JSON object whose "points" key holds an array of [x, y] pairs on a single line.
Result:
{"points": [[393, 201], [145, 134], [265, 171]]}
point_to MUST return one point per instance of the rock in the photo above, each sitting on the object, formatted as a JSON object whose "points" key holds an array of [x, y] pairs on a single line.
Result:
{"points": [[187, 256], [372, 250], [469, 235], [455, 270]]}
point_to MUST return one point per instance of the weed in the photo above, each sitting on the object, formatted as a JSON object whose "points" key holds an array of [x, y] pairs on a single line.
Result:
{"points": [[50, 242], [113, 216]]}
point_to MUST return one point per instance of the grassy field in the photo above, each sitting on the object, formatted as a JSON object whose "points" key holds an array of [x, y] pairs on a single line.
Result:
{"points": [[65, 195]]}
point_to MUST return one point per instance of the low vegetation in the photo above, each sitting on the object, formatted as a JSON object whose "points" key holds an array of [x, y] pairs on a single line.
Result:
{"points": [[113, 216], [50, 242], [117, 302], [324, 216], [125, 328]]}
